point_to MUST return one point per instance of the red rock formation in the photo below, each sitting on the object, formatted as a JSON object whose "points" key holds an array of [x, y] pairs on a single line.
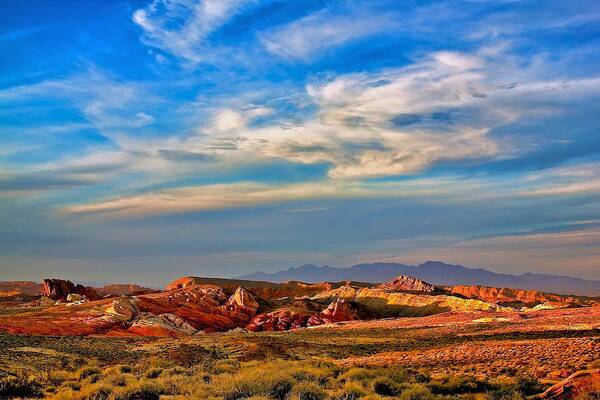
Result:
{"points": [[200, 307], [510, 296], [404, 283], [280, 320], [294, 318], [575, 386], [59, 289], [338, 311], [264, 290]]}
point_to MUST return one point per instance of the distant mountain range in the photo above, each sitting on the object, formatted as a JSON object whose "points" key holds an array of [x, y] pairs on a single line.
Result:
{"points": [[435, 272]]}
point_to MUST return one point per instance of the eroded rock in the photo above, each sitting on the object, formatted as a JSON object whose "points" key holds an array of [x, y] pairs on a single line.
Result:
{"points": [[60, 289], [407, 283], [575, 386]]}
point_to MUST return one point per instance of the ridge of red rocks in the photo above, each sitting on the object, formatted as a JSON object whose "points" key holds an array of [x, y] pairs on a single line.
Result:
{"points": [[408, 284], [60, 289], [510, 296], [195, 304], [262, 289]]}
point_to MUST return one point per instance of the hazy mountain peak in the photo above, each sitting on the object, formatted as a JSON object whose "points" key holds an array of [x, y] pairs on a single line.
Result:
{"points": [[435, 272]]}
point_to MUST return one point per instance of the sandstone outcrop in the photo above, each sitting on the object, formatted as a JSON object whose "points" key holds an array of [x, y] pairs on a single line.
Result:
{"points": [[161, 325], [60, 289], [46, 302], [575, 386], [338, 311], [261, 289], [243, 299], [123, 309], [508, 296], [406, 283], [388, 303]]}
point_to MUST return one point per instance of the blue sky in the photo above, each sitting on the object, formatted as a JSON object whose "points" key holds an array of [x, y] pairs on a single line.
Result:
{"points": [[144, 140]]}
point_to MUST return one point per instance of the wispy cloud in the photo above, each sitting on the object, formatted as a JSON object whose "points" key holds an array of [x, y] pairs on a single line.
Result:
{"points": [[105, 100], [182, 27], [306, 38]]}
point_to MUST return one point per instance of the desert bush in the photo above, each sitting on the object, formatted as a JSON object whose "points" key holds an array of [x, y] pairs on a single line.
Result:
{"points": [[21, 385], [504, 392], [88, 371], [57, 377], [253, 382], [421, 376], [177, 371], [351, 391], [153, 373], [385, 386], [72, 385], [96, 392], [416, 392], [358, 374], [223, 367], [307, 391], [118, 379], [528, 385], [456, 385], [318, 372], [143, 390], [397, 374]]}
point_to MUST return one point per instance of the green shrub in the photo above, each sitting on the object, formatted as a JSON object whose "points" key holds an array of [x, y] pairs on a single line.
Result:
{"points": [[96, 392], [397, 374], [253, 382], [143, 390], [385, 386], [504, 392], [153, 373], [457, 385], [528, 385], [351, 391], [307, 391], [358, 374], [88, 371], [124, 369], [19, 386], [417, 392]]}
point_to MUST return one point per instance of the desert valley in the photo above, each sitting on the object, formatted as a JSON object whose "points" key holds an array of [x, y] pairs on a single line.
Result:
{"points": [[241, 339], [299, 199]]}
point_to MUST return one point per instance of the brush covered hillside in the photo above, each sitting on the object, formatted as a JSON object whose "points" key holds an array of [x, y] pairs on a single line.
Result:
{"points": [[435, 272], [192, 305]]}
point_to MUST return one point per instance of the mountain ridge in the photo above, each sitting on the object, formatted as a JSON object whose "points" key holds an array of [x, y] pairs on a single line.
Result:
{"points": [[437, 273]]}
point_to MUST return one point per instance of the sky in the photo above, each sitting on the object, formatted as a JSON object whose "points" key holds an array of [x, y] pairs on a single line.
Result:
{"points": [[141, 141]]}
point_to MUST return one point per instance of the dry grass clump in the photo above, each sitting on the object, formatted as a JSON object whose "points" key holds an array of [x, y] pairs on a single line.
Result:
{"points": [[253, 382], [307, 391], [20, 386]]}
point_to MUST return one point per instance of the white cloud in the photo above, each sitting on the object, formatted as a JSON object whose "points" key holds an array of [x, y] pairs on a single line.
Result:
{"points": [[182, 27], [107, 102], [249, 194], [320, 31]]}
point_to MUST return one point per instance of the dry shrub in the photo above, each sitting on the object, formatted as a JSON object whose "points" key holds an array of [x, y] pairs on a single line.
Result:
{"points": [[253, 382], [19, 386], [416, 392], [308, 391]]}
